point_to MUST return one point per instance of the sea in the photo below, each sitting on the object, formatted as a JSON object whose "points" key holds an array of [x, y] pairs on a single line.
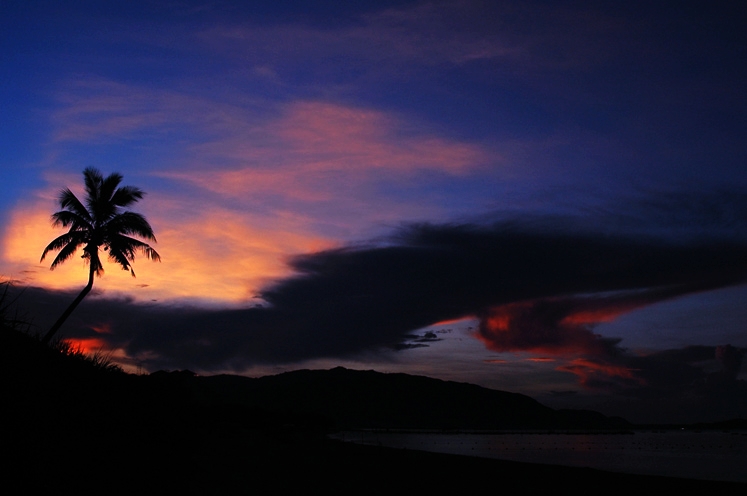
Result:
{"points": [[707, 455]]}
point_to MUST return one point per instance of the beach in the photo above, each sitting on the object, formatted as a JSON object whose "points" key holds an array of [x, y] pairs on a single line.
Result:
{"points": [[703, 455]]}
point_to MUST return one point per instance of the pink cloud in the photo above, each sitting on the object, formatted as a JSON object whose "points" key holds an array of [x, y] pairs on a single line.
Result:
{"points": [[327, 162], [347, 139], [601, 374], [319, 149], [310, 164], [308, 137]]}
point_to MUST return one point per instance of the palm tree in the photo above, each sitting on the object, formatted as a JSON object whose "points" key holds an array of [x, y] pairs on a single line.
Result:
{"points": [[101, 222]]}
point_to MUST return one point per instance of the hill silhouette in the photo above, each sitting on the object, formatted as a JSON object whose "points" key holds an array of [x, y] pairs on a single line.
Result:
{"points": [[76, 424], [370, 399]]}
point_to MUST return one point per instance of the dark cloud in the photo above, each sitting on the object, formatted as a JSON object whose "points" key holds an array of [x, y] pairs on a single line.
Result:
{"points": [[552, 325], [563, 326], [731, 360], [417, 341], [552, 285], [690, 384], [694, 372]]}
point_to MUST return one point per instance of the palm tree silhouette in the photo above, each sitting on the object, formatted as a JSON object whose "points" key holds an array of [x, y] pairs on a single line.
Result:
{"points": [[101, 222]]}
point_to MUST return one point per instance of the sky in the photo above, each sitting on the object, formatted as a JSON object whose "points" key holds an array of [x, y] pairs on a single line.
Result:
{"points": [[541, 197]]}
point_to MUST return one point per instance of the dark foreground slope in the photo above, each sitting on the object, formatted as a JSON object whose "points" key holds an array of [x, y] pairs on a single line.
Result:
{"points": [[70, 427]]}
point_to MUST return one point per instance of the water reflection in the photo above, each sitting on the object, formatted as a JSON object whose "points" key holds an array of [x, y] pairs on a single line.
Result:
{"points": [[698, 455]]}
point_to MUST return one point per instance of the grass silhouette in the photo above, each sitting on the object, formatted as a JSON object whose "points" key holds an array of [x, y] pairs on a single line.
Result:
{"points": [[24, 353]]}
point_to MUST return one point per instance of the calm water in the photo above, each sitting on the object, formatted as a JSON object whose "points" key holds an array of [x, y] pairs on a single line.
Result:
{"points": [[704, 455]]}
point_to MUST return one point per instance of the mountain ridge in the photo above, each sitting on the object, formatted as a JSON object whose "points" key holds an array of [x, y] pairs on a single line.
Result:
{"points": [[350, 398]]}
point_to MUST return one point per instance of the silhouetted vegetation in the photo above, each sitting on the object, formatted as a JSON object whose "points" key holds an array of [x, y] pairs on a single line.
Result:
{"points": [[10, 315], [101, 222]]}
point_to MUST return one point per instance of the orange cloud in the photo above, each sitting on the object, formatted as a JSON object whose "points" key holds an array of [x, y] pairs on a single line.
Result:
{"points": [[101, 348], [91, 345], [87, 345], [27, 233], [218, 255], [221, 255]]}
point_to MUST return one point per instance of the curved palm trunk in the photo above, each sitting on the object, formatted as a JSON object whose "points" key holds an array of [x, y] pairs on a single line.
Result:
{"points": [[53, 330]]}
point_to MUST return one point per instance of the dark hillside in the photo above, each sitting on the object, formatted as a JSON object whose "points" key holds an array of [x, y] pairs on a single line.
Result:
{"points": [[76, 426], [369, 399]]}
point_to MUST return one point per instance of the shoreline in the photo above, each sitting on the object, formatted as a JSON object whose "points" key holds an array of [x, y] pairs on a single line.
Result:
{"points": [[701, 455]]}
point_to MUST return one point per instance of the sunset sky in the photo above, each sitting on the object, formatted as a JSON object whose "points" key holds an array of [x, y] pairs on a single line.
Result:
{"points": [[542, 197]]}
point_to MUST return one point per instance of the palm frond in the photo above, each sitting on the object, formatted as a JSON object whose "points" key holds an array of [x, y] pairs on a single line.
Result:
{"points": [[121, 257], [109, 186], [122, 249], [70, 202], [91, 254], [65, 253], [99, 192], [130, 223], [67, 218], [74, 238], [104, 208], [130, 245], [92, 179], [126, 196], [150, 253], [102, 222]]}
